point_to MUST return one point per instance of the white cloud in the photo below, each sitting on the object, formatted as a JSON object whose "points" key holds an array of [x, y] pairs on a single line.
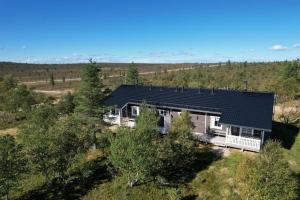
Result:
{"points": [[278, 47], [297, 45]]}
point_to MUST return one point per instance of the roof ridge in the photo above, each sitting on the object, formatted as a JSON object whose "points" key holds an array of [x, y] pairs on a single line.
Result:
{"points": [[194, 88]]}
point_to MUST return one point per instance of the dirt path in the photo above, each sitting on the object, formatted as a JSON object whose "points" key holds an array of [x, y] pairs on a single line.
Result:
{"points": [[287, 109], [9, 131]]}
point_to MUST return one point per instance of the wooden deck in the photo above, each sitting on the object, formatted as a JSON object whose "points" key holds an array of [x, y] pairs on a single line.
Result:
{"points": [[211, 138], [250, 144]]}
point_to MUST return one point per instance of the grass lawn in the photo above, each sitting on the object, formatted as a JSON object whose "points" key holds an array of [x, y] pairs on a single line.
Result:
{"points": [[293, 155]]}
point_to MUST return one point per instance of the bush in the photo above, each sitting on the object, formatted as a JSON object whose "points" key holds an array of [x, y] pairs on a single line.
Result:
{"points": [[267, 176]]}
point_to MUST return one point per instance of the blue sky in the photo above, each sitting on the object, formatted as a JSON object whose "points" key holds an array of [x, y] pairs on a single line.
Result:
{"points": [[65, 31]]}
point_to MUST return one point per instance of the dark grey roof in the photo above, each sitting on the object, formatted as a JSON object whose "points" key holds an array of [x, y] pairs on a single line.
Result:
{"points": [[252, 109]]}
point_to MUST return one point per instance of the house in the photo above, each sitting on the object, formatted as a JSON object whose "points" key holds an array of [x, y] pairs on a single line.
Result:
{"points": [[230, 118]]}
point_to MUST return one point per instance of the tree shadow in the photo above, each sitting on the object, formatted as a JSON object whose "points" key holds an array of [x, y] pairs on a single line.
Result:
{"points": [[285, 133], [190, 197], [202, 159], [74, 189]]}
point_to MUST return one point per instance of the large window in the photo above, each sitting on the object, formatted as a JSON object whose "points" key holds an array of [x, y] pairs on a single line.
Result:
{"points": [[246, 132], [235, 130], [257, 133], [214, 123]]}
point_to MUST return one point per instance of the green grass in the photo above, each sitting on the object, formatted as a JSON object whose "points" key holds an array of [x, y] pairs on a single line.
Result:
{"points": [[293, 155], [28, 183], [217, 182], [118, 189]]}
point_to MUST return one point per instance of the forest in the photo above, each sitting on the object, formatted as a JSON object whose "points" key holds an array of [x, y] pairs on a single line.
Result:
{"points": [[62, 148]]}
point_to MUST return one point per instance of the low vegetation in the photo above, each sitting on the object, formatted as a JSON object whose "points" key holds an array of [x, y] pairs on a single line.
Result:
{"points": [[283, 78], [64, 150]]}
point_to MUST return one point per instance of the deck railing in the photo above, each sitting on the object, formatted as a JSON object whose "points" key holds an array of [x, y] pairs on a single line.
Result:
{"points": [[243, 142]]}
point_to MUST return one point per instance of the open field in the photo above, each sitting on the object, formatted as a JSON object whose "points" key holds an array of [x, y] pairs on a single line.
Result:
{"points": [[40, 73]]}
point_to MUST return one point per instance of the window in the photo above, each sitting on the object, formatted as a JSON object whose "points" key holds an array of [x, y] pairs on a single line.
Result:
{"points": [[214, 123], [163, 112], [134, 111], [246, 132], [235, 130], [257, 133], [114, 111]]}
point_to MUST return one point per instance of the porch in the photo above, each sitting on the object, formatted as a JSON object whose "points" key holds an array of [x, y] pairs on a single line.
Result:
{"points": [[245, 143]]}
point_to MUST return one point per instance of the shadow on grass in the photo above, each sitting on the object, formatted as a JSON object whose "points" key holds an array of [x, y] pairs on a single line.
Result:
{"points": [[286, 133], [189, 168], [190, 197], [74, 189]]}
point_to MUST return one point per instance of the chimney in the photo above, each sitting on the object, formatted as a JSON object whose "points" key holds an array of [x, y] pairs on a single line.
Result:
{"points": [[245, 85]]}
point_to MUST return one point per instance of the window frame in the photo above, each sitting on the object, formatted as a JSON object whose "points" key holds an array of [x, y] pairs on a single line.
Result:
{"points": [[134, 108], [238, 128], [213, 121]]}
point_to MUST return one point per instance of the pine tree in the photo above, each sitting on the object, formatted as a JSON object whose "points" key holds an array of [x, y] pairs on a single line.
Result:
{"points": [[88, 100], [132, 76], [90, 94]]}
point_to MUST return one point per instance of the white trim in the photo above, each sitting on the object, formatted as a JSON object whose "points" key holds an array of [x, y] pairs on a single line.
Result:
{"points": [[268, 130], [176, 108], [213, 119]]}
